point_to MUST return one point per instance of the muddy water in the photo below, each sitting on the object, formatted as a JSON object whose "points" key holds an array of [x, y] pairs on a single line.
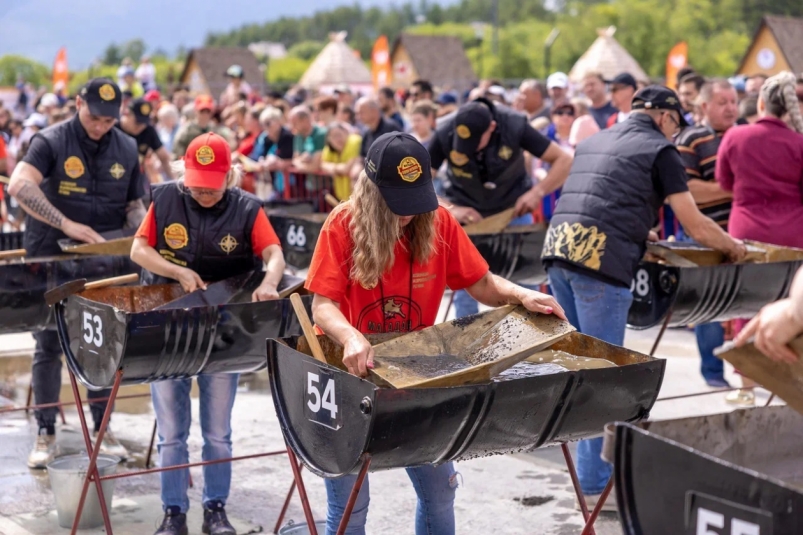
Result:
{"points": [[528, 369], [425, 366], [569, 361]]}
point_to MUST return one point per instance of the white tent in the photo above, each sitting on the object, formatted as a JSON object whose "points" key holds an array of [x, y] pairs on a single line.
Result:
{"points": [[336, 65], [608, 57]]}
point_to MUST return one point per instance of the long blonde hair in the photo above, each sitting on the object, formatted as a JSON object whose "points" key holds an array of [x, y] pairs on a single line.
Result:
{"points": [[375, 231], [778, 94]]}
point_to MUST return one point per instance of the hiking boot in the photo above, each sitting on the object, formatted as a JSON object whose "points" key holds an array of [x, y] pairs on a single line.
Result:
{"points": [[174, 523], [44, 450], [215, 521], [110, 445]]}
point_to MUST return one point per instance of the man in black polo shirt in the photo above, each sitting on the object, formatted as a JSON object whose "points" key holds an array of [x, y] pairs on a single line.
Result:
{"points": [[79, 178], [619, 180], [369, 113], [136, 122], [698, 146]]}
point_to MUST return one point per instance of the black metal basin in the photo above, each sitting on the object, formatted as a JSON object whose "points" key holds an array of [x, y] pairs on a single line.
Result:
{"points": [[331, 418], [156, 332], [734, 473], [23, 283], [709, 293]]}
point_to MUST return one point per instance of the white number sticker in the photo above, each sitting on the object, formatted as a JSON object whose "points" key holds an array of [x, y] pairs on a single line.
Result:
{"points": [[328, 403], [709, 519], [312, 391], [322, 397], [641, 284], [93, 329], [296, 236]]}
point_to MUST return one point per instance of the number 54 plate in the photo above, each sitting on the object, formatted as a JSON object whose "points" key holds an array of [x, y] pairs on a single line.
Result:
{"points": [[322, 397]]}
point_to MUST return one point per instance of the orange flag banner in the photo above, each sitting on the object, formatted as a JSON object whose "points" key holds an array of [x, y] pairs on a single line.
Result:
{"points": [[60, 71], [676, 60], [380, 62]]}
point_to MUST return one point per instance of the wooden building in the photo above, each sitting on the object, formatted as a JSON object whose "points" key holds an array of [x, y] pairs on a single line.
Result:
{"points": [[440, 59], [777, 46], [205, 69]]}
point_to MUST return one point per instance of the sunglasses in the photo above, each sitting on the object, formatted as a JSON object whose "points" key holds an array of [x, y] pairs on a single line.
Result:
{"points": [[563, 112]]}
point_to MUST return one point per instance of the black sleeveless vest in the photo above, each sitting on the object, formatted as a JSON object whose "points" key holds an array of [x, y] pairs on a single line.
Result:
{"points": [[609, 202], [91, 189], [214, 242], [502, 165]]}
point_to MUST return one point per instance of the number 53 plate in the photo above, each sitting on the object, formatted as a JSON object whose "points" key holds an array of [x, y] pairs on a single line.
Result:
{"points": [[322, 397]]}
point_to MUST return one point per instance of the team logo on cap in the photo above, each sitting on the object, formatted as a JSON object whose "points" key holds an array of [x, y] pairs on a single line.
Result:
{"points": [[463, 131], [409, 169], [505, 152], [228, 243], [671, 100], [74, 167], [145, 109], [176, 236], [458, 158], [106, 92], [205, 155], [117, 171]]}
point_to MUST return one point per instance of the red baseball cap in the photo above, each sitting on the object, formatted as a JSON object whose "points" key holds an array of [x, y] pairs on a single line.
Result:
{"points": [[153, 96], [204, 102], [207, 162]]}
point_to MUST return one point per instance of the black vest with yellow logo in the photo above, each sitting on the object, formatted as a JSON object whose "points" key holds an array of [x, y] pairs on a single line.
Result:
{"points": [[214, 242], [493, 183], [89, 183], [609, 202]]}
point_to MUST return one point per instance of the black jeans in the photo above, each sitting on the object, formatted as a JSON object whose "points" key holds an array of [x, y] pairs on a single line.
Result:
{"points": [[47, 381]]}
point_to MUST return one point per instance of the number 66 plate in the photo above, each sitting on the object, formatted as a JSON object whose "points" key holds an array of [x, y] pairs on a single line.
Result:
{"points": [[322, 397]]}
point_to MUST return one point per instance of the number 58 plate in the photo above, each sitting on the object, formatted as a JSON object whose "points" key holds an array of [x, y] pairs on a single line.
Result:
{"points": [[322, 397]]}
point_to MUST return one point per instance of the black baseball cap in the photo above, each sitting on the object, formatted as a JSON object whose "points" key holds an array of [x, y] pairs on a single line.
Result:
{"points": [[470, 123], [141, 109], [400, 166], [658, 97], [623, 78], [103, 97]]}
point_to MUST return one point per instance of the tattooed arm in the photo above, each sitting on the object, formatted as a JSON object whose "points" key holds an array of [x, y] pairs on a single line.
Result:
{"points": [[134, 214], [24, 186]]}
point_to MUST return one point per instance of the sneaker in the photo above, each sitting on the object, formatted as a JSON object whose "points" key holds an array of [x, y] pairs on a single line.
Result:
{"points": [[173, 523], [110, 445], [592, 499], [717, 382], [44, 450], [215, 521], [742, 397]]}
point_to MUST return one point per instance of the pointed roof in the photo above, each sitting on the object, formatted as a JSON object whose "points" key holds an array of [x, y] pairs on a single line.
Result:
{"points": [[214, 61], [440, 59], [608, 57], [788, 33], [336, 64]]}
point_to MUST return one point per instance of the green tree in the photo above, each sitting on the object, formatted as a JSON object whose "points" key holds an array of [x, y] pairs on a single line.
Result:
{"points": [[306, 50], [133, 49], [12, 67], [111, 56]]}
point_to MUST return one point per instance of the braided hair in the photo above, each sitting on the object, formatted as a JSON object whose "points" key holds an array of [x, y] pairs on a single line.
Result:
{"points": [[780, 99]]}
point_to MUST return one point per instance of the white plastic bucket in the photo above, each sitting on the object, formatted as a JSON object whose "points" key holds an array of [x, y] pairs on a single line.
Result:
{"points": [[302, 529]]}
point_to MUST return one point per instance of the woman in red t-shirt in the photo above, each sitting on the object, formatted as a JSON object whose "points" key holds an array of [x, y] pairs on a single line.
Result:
{"points": [[381, 264], [202, 229]]}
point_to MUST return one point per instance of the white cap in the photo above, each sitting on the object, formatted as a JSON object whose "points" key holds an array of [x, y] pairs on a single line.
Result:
{"points": [[557, 79], [49, 99], [36, 119]]}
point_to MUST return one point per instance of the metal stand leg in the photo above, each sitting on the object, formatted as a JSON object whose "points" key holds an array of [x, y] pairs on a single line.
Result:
{"points": [[28, 398], [567, 455], [355, 491], [287, 502], [661, 332], [589, 527], [302, 491], [150, 446], [92, 469]]}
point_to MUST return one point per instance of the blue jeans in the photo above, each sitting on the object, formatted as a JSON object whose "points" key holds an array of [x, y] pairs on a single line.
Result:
{"points": [[709, 337], [171, 402], [464, 304], [434, 515], [600, 310]]}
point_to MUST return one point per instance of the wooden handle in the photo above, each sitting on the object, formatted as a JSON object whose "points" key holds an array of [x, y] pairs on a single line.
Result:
{"points": [[306, 326], [5, 180], [122, 279], [331, 200], [14, 253]]}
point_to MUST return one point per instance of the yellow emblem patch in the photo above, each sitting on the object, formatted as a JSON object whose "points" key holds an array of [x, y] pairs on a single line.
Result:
{"points": [[107, 92], [505, 152], [463, 131], [576, 243], [228, 243], [74, 167], [176, 236], [409, 169], [117, 171], [205, 155], [145, 109], [458, 158]]}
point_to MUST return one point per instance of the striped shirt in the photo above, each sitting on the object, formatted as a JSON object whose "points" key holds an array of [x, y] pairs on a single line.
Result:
{"points": [[698, 146]]}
